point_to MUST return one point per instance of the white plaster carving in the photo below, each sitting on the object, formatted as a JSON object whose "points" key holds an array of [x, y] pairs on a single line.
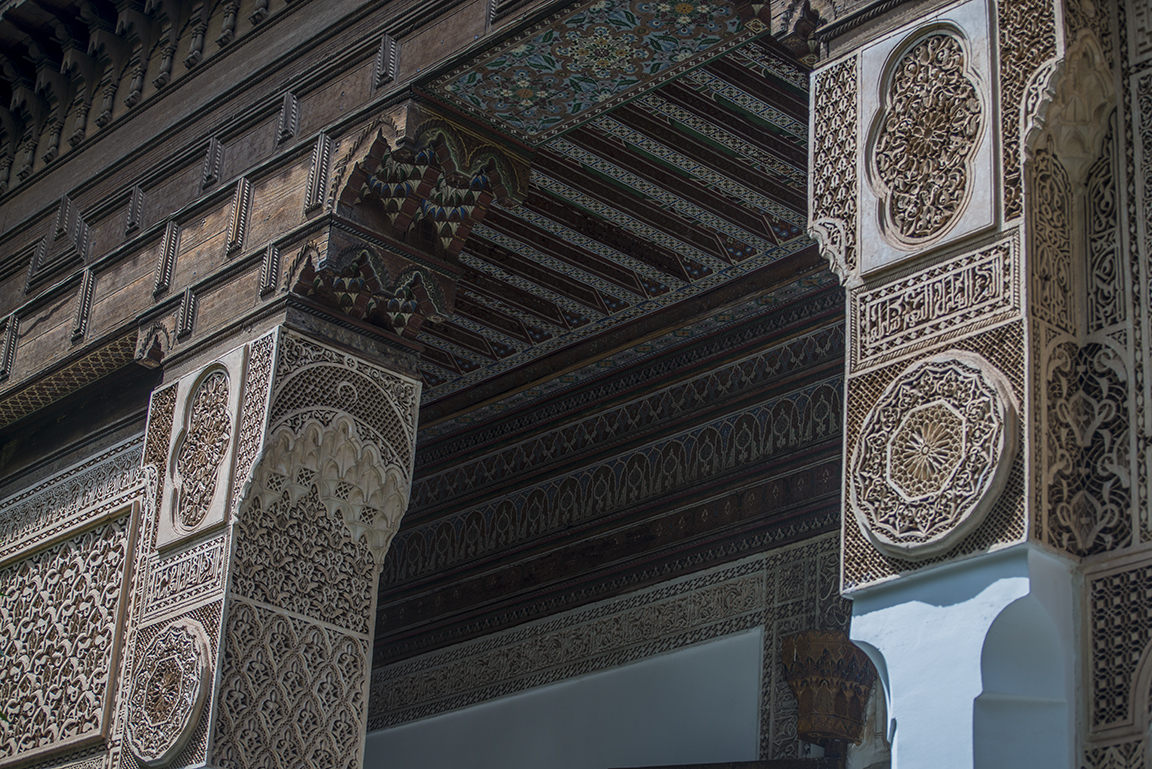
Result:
{"points": [[73, 498], [1081, 96], [929, 131], [933, 455], [179, 579], [936, 304], [1141, 30], [168, 692], [198, 472], [292, 693], [62, 621], [928, 151], [833, 187]]}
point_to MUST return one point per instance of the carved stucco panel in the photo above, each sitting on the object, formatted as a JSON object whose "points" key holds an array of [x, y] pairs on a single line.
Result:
{"points": [[197, 472], [833, 185], [1087, 470], [933, 455], [63, 620], [930, 126], [927, 146], [1027, 32], [169, 688], [292, 693], [928, 307]]}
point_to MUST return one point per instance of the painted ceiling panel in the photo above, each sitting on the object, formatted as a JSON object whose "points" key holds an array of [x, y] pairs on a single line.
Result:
{"points": [[632, 207]]}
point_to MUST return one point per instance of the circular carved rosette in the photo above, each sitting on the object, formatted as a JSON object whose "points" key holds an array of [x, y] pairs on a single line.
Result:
{"points": [[933, 455], [168, 692]]}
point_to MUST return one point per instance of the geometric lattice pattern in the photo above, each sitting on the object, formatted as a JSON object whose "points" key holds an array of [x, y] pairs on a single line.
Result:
{"points": [[1004, 524], [94, 365], [1121, 626]]}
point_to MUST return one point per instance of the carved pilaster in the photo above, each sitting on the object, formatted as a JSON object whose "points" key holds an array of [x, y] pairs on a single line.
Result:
{"points": [[284, 473]]}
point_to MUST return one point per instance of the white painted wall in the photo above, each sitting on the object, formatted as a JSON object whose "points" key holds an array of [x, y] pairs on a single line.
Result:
{"points": [[696, 705], [977, 660]]}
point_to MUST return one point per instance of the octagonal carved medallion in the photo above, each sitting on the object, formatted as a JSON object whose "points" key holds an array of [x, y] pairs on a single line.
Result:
{"points": [[168, 692], [933, 455]]}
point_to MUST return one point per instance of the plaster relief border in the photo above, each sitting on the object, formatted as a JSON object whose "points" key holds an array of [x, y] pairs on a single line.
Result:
{"points": [[932, 306], [86, 493]]}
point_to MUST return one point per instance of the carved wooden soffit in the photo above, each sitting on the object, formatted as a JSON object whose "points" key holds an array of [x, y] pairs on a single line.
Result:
{"points": [[46, 390], [424, 180], [358, 284], [832, 679]]}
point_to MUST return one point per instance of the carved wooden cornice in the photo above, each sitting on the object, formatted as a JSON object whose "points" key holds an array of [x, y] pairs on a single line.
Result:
{"points": [[832, 679]]}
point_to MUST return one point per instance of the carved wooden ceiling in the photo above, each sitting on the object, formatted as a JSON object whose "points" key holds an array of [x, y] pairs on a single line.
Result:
{"points": [[651, 297], [683, 189]]}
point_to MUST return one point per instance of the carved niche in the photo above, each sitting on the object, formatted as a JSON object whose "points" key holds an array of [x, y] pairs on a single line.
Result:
{"points": [[168, 692], [200, 451], [927, 155], [933, 455]]}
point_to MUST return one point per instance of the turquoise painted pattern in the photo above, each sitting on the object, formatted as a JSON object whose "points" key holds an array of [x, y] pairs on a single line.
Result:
{"points": [[590, 58]]}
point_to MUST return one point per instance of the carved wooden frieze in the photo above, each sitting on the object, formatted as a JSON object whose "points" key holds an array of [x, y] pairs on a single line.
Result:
{"points": [[168, 692], [200, 452], [832, 680], [926, 125], [933, 455]]}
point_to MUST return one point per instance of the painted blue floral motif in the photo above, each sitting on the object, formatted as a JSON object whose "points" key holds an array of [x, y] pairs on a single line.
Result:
{"points": [[571, 67]]}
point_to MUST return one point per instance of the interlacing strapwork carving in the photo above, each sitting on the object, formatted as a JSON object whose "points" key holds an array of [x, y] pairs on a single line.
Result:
{"points": [[1027, 40], [1087, 467], [60, 621], [1050, 217], [291, 693], [929, 131], [933, 455], [168, 691], [834, 184], [1106, 297], [204, 447]]}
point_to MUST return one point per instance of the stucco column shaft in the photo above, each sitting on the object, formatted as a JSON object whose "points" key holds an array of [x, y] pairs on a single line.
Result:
{"points": [[957, 150]]}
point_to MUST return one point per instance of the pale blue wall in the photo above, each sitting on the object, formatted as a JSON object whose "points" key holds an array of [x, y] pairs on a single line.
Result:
{"points": [[697, 705]]}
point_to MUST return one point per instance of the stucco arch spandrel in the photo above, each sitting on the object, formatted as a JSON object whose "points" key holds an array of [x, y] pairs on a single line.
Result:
{"points": [[338, 425]]}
